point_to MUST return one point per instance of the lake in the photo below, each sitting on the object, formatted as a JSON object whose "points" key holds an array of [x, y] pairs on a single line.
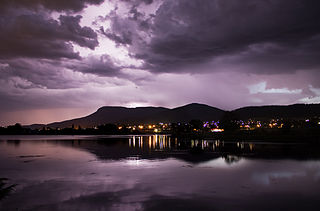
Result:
{"points": [[157, 172]]}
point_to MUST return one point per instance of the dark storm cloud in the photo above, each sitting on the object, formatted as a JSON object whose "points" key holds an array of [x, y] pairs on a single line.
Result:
{"points": [[124, 30], [58, 5], [72, 31], [35, 36], [36, 73], [137, 2], [274, 58], [97, 65], [124, 38], [193, 32], [51, 74]]}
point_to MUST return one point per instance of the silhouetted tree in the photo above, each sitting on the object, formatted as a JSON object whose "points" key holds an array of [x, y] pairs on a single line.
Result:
{"points": [[229, 121], [15, 129], [108, 129], [196, 124]]}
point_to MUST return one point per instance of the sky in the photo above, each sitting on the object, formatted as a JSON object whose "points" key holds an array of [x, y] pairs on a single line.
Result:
{"points": [[65, 59]]}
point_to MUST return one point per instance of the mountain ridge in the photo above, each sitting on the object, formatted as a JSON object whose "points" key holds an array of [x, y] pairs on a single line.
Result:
{"points": [[185, 113]]}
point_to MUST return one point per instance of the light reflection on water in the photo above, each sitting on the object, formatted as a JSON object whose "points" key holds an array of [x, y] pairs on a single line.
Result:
{"points": [[164, 142], [158, 173]]}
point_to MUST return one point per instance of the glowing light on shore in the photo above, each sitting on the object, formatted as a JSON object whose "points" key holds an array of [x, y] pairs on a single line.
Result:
{"points": [[216, 130]]}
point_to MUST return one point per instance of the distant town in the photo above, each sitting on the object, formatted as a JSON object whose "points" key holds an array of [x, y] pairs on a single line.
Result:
{"points": [[192, 128]]}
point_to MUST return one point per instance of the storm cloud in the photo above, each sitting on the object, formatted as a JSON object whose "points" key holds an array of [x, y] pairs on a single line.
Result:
{"points": [[58, 5], [36, 36], [259, 32], [78, 55]]}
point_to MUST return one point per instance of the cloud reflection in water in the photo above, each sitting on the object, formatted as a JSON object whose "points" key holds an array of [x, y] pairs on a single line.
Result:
{"points": [[109, 174]]}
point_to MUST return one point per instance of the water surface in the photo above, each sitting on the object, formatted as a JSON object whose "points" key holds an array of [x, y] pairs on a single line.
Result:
{"points": [[157, 173]]}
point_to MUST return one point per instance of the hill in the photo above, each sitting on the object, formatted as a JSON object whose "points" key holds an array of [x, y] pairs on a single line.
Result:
{"points": [[296, 111], [140, 115], [110, 114]]}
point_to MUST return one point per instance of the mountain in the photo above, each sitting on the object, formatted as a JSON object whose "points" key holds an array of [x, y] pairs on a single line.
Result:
{"points": [[296, 111], [189, 112], [110, 114]]}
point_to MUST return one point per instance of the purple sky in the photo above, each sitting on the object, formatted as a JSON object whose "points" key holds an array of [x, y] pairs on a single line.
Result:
{"points": [[64, 59]]}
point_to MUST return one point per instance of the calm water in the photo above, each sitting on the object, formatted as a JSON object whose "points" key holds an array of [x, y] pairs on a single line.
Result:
{"points": [[157, 173]]}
